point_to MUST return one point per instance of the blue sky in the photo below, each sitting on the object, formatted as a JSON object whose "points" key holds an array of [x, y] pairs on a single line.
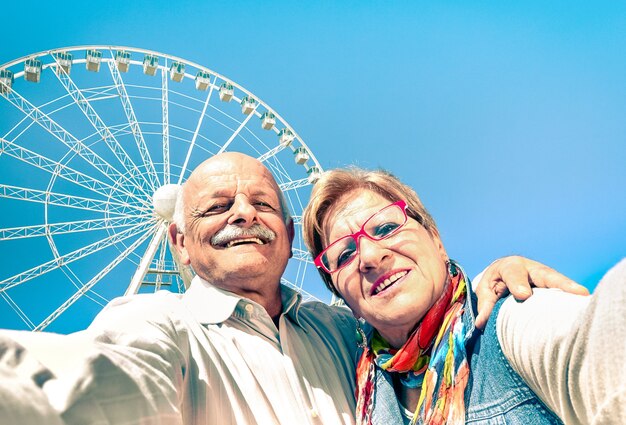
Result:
{"points": [[507, 118]]}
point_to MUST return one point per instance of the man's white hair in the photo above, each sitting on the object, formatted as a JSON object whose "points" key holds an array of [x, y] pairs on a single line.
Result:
{"points": [[179, 211]]}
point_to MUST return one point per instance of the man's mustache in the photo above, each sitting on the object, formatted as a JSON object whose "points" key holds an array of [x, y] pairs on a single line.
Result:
{"points": [[231, 232]]}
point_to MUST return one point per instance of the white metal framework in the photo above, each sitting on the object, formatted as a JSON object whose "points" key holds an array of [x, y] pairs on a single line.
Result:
{"points": [[88, 135]]}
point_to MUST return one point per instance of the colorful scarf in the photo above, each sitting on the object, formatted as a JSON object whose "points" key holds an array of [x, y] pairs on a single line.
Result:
{"points": [[433, 357]]}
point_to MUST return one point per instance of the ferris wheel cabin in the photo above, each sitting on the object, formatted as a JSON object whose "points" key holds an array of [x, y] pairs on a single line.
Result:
{"points": [[64, 61], [6, 80], [268, 120], [285, 137], [313, 174], [203, 79], [32, 70], [301, 155], [122, 60], [226, 92], [150, 64], [93, 57], [247, 105], [177, 71]]}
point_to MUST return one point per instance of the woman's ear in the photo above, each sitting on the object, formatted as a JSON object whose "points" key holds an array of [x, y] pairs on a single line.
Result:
{"points": [[434, 234]]}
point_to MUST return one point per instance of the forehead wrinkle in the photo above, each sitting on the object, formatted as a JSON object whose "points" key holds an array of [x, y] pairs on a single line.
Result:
{"points": [[352, 210], [334, 214]]}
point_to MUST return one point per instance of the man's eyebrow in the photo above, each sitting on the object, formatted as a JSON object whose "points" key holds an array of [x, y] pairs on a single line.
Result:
{"points": [[220, 193], [261, 193]]}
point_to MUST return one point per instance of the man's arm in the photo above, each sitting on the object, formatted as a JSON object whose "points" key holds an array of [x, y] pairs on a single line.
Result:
{"points": [[137, 369], [22, 400], [516, 275], [132, 371]]}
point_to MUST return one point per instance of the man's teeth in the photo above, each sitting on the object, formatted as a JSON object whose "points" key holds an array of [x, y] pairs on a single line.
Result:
{"points": [[389, 281], [245, 240]]}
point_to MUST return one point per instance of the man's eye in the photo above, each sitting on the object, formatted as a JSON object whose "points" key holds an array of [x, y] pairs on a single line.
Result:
{"points": [[218, 208], [264, 206], [385, 229]]}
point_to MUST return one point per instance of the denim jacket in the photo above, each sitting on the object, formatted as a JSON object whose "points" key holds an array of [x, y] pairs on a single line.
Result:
{"points": [[495, 393]]}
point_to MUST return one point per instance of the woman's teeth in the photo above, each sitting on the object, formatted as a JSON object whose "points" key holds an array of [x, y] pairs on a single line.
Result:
{"points": [[389, 281]]}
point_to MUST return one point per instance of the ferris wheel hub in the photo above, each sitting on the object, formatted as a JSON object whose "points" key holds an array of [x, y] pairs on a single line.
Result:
{"points": [[164, 201]]}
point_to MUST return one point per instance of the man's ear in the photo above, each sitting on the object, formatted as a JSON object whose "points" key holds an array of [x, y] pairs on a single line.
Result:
{"points": [[177, 239], [291, 233]]}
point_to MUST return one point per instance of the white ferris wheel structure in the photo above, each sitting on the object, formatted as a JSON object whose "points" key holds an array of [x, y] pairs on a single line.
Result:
{"points": [[94, 141]]}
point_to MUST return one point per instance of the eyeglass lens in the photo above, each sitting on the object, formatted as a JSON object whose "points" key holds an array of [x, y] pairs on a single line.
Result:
{"points": [[379, 226]]}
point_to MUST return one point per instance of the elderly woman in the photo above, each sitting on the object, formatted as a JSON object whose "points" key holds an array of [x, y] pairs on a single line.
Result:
{"points": [[378, 249]]}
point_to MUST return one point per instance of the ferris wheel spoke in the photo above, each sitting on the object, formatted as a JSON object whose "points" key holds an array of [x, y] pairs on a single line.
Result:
{"points": [[292, 185], [27, 117], [305, 295], [160, 265], [165, 106], [302, 255], [86, 287], [195, 135], [71, 257], [95, 120], [16, 308], [54, 229], [77, 283], [70, 201], [69, 140], [158, 235], [272, 152], [241, 126], [134, 125], [60, 169], [17, 125]]}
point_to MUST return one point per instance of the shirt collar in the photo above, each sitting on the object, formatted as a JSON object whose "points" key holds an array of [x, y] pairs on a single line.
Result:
{"points": [[292, 300], [211, 305]]}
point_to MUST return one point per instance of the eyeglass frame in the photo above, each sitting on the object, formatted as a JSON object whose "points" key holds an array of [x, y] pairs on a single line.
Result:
{"points": [[356, 235]]}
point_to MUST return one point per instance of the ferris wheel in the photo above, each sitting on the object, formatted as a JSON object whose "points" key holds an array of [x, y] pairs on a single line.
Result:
{"points": [[94, 142]]}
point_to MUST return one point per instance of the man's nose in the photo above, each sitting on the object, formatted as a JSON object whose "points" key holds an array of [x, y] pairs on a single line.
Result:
{"points": [[242, 212], [371, 254]]}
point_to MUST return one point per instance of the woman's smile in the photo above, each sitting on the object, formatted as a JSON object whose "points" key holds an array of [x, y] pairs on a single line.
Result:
{"points": [[383, 284]]}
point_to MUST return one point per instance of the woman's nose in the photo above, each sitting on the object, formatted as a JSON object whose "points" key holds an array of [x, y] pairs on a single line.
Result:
{"points": [[242, 211], [371, 254]]}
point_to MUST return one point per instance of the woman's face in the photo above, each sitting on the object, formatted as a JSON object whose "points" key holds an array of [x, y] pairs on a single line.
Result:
{"points": [[409, 266]]}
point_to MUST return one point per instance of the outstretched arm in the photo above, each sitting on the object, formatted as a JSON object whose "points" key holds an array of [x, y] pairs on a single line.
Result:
{"points": [[516, 275], [22, 399], [572, 350]]}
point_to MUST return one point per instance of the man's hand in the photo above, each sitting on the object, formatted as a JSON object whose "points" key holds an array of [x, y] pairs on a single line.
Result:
{"points": [[516, 275]]}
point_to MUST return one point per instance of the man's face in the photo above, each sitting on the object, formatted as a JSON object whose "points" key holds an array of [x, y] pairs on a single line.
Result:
{"points": [[235, 191]]}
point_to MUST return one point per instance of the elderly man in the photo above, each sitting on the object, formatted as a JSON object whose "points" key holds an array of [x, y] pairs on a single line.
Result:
{"points": [[237, 347]]}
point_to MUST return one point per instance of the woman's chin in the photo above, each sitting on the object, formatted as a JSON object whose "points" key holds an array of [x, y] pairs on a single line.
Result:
{"points": [[397, 317]]}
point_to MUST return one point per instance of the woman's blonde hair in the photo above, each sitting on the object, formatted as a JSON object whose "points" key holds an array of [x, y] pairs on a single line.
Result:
{"points": [[335, 184]]}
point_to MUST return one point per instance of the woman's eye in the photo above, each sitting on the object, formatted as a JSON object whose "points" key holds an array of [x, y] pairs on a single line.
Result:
{"points": [[385, 229], [345, 256]]}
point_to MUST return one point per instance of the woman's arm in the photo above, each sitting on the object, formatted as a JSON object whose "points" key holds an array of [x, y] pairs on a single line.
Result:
{"points": [[571, 350]]}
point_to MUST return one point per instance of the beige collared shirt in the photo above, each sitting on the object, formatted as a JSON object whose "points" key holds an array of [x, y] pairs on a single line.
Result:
{"points": [[212, 357]]}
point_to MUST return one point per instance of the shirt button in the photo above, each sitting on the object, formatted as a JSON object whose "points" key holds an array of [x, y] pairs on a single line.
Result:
{"points": [[314, 413], [249, 308]]}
